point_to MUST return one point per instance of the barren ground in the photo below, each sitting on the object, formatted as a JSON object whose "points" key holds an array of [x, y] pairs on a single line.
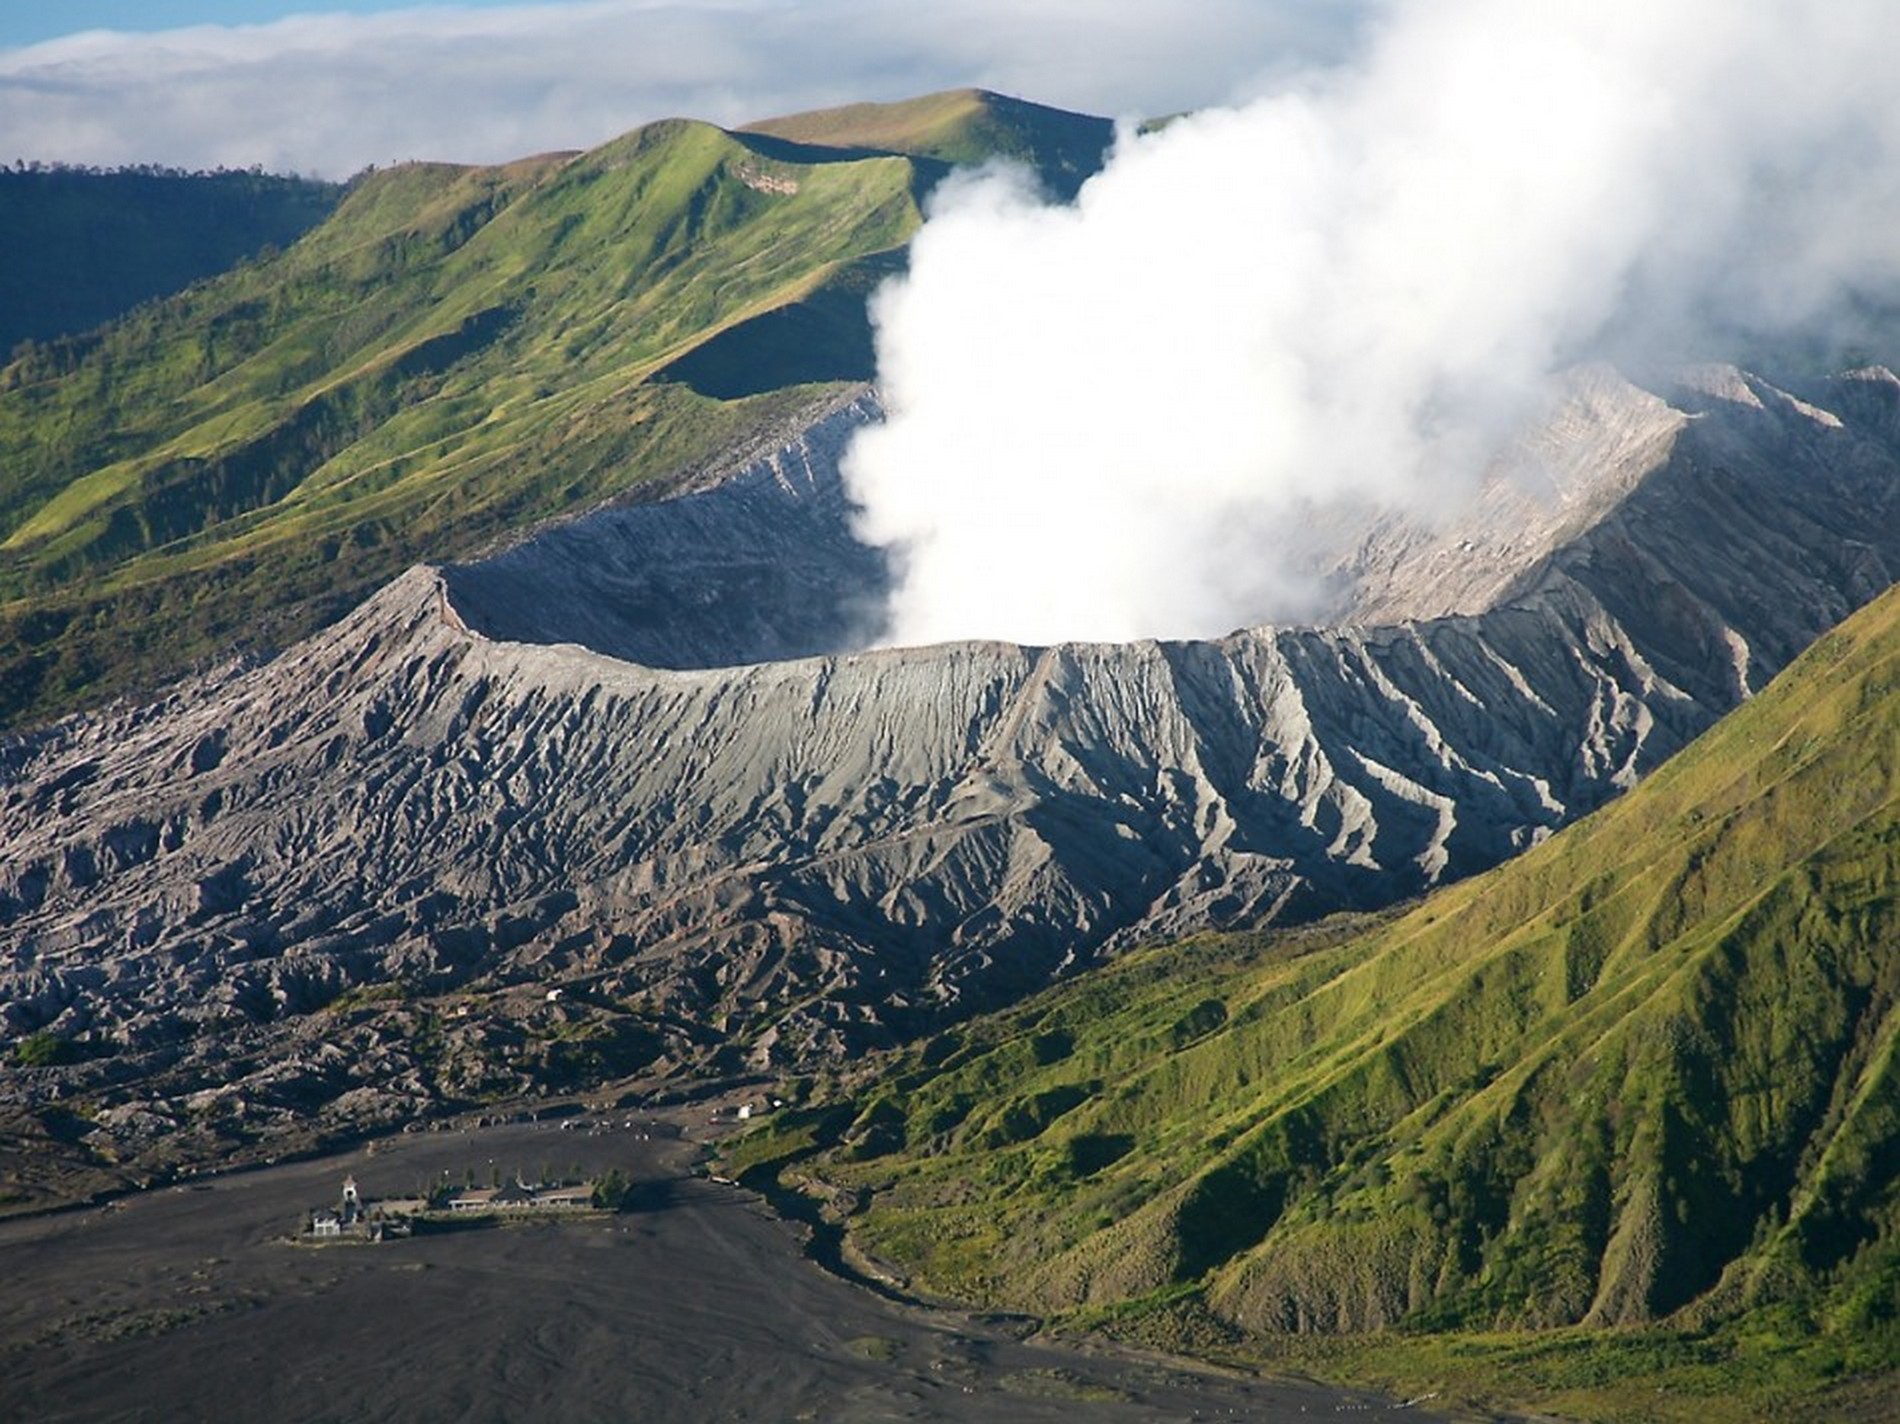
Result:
{"points": [[186, 1303]]}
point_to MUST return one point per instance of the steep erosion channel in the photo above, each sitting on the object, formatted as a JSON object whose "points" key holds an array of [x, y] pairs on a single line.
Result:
{"points": [[634, 758]]}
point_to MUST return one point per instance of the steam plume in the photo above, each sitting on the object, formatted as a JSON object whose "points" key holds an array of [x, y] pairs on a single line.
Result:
{"points": [[1102, 416]]}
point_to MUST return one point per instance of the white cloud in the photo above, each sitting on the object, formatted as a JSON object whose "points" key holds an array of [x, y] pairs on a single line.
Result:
{"points": [[1102, 417], [326, 94]]}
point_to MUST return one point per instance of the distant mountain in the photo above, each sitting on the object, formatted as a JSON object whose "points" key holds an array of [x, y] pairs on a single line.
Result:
{"points": [[1644, 1073], [963, 126], [454, 355], [79, 248]]}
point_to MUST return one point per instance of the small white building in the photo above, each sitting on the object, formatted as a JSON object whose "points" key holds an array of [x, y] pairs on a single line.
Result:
{"points": [[517, 1197]]}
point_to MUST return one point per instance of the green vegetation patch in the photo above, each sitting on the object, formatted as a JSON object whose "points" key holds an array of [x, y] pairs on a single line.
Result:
{"points": [[960, 126], [450, 355], [454, 354], [45, 1049], [1620, 1116], [881, 1348]]}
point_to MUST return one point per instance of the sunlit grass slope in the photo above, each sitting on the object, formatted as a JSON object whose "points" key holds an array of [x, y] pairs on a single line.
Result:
{"points": [[1631, 1100], [455, 353], [961, 126]]}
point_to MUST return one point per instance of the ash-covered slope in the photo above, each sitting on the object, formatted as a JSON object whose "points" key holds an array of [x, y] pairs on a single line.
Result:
{"points": [[1644, 1071], [808, 854], [758, 567]]}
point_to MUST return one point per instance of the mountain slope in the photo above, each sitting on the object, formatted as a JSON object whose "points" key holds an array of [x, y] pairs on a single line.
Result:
{"points": [[454, 355], [445, 804], [961, 126], [1646, 1071], [80, 248]]}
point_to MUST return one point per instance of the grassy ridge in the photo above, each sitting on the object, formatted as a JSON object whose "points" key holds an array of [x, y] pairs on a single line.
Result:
{"points": [[457, 352], [958, 127], [1642, 1080]]}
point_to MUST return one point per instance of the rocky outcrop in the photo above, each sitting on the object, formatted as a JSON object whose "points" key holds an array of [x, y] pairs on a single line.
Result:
{"points": [[446, 792]]}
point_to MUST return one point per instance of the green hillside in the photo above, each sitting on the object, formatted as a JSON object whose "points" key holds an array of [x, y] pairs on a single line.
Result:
{"points": [[78, 248], [1621, 1116], [455, 353], [960, 126]]}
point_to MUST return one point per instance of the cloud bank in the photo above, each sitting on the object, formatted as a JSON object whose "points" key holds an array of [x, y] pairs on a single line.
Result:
{"points": [[328, 94], [1102, 416]]}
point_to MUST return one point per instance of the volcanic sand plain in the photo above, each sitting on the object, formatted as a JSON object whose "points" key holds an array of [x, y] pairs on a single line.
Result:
{"points": [[190, 1302]]}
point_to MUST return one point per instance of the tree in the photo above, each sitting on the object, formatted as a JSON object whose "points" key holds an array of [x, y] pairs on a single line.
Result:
{"points": [[611, 1190]]}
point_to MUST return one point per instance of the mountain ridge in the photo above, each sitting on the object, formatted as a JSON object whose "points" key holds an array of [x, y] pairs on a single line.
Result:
{"points": [[1642, 1078], [960, 126], [821, 854], [456, 354]]}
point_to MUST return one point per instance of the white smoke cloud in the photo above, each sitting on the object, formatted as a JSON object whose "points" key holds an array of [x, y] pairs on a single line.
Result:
{"points": [[326, 94], [1103, 417]]}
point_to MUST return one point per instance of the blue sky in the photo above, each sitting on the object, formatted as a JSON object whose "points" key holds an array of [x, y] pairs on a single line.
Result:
{"points": [[30, 21]]}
